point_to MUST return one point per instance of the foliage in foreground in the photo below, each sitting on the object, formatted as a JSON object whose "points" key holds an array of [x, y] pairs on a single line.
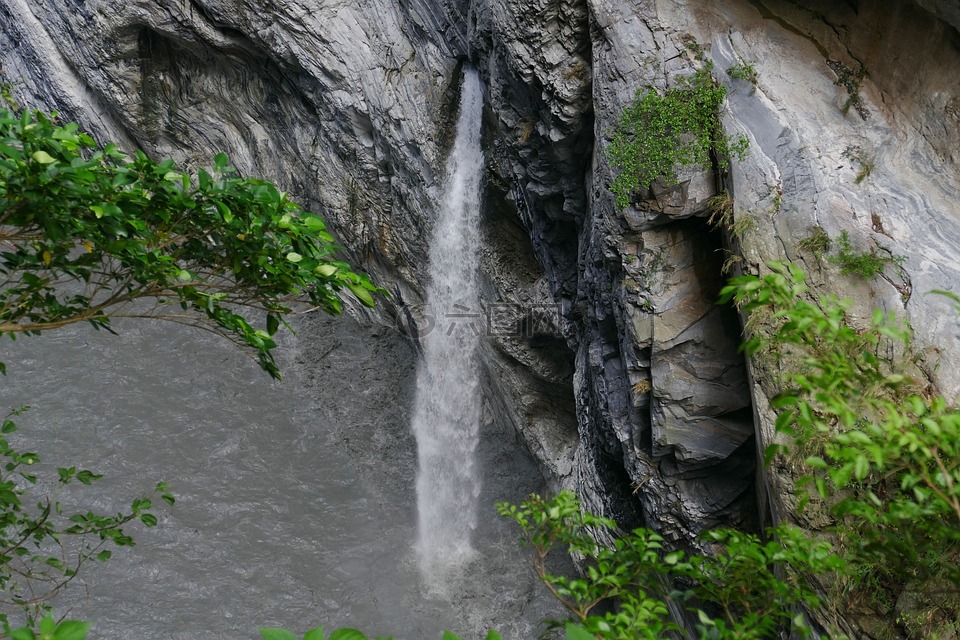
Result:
{"points": [[657, 133], [86, 231], [41, 547], [572, 632], [50, 629], [90, 233], [742, 591], [882, 455], [879, 457]]}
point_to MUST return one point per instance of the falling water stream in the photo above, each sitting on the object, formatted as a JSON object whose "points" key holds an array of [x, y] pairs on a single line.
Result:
{"points": [[446, 420], [296, 501]]}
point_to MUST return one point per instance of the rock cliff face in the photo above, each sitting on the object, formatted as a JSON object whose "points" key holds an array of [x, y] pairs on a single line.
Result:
{"points": [[610, 358]]}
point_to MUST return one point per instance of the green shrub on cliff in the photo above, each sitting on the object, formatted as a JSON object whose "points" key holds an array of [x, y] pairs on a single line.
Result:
{"points": [[659, 133], [864, 264], [750, 588], [881, 453], [876, 455]]}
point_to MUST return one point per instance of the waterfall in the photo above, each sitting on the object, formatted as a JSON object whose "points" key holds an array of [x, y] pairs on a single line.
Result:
{"points": [[446, 416]]}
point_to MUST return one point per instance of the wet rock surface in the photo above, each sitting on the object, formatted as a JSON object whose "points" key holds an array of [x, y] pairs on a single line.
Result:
{"points": [[612, 365]]}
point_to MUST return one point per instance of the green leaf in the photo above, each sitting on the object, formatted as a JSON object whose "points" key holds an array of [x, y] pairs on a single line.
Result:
{"points": [[87, 477], [705, 619], [493, 635], [71, 630], [268, 633], [43, 157], [362, 294], [347, 634], [293, 256], [450, 636], [325, 270], [149, 519], [23, 633], [47, 625], [576, 632], [314, 223], [273, 323], [821, 488], [314, 634], [841, 476]]}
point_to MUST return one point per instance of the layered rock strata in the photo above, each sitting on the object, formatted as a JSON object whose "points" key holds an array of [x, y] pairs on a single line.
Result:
{"points": [[609, 359]]}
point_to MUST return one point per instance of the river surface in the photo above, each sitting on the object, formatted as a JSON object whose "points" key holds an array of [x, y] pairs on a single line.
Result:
{"points": [[295, 499]]}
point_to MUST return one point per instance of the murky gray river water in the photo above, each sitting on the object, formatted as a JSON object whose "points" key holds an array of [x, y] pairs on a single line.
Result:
{"points": [[295, 500]]}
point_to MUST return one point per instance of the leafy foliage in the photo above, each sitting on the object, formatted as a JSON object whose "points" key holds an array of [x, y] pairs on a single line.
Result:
{"points": [[865, 264], [87, 230], [850, 80], [270, 633], [744, 71], [737, 593], [885, 457], [41, 547], [623, 572], [889, 456], [50, 629], [89, 233], [657, 133]]}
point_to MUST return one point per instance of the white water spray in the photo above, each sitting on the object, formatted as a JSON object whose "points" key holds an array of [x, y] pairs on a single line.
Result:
{"points": [[446, 418]]}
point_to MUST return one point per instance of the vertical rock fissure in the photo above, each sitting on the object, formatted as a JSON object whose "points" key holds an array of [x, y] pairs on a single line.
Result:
{"points": [[688, 385]]}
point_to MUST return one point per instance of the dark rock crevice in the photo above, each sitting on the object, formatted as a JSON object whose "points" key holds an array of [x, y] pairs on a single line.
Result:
{"points": [[663, 409]]}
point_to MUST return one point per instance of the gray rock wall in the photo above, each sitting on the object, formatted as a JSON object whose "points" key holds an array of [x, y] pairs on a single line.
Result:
{"points": [[612, 362], [658, 380]]}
